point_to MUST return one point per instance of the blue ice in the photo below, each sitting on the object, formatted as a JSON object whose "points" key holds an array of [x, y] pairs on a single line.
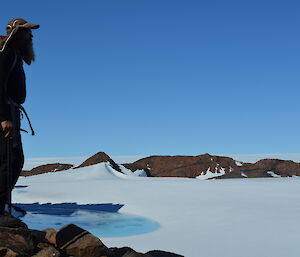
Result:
{"points": [[101, 224]]}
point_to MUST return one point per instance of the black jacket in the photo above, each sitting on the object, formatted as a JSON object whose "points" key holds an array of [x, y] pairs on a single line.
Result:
{"points": [[12, 81]]}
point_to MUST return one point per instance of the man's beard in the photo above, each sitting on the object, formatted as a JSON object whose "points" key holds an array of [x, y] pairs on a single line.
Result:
{"points": [[27, 52]]}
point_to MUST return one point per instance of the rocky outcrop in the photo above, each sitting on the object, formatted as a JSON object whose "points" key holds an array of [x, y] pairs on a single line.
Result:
{"points": [[183, 166], [215, 166], [98, 158], [18, 241], [266, 168], [23, 242], [53, 167]]}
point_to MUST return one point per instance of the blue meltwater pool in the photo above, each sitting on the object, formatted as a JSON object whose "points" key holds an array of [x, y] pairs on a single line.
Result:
{"points": [[89, 217]]}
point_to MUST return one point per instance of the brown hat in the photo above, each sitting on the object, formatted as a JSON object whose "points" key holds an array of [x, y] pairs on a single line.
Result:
{"points": [[11, 29]]}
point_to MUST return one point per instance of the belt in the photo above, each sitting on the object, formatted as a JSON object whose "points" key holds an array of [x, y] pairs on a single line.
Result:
{"points": [[22, 110]]}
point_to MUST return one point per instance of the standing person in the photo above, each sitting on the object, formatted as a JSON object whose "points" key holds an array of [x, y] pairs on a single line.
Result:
{"points": [[15, 48]]}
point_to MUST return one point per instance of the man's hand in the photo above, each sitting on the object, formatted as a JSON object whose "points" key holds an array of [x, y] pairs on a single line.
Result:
{"points": [[8, 128]]}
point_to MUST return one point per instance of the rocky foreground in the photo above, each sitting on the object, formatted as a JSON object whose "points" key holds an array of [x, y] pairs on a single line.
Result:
{"points": [[67, 242], [206, 166]]}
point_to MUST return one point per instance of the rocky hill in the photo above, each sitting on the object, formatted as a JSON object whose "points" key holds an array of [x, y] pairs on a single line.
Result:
{"points": [[53, 167], [211, 166], [98, 158], [183, 166]]}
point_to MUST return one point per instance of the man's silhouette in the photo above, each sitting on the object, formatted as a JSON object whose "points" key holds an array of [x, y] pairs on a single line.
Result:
{"points": [[15, 48]]}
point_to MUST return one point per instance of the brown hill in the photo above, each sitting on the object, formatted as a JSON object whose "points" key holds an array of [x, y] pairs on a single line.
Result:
{"points": [[183, 166], [53, 167], [98, 158], [266, 168], [219, 166]]}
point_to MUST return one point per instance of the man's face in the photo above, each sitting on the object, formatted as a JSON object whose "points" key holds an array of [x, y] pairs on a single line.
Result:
{"points": [[23, 42], [22, 37]]}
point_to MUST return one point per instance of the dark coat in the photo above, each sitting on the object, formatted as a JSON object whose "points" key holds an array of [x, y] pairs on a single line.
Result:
{"points": [[12, 82]]}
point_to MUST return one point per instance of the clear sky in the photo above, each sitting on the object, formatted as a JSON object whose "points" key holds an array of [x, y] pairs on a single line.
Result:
{"points": [[141, 77]]}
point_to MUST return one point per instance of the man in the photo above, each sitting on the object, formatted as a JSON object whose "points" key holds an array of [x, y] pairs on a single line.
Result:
{"points": [[15, 48]]}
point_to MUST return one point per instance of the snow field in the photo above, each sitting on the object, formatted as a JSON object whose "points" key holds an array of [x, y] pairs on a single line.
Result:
{"points": [[232, 217]]}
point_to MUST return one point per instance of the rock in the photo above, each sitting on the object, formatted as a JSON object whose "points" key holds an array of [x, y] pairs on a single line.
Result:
{"points": [[158, 253], [38, 236], [86, 246], [10, 221], [98, 158], [126, 252], [132, 253], [49, 251], [6, 252], [53, 167], [50, 235], [118, 252], [18, 240], [78, 242]]}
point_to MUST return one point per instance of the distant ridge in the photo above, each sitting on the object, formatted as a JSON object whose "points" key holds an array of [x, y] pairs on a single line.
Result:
{"points": [[212, 166], [203, 166], [53, 167]]}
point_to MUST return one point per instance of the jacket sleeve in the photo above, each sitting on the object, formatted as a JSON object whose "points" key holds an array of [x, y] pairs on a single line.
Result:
{"points": [[6, 62]]}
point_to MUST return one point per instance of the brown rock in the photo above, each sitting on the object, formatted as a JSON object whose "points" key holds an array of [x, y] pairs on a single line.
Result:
{"points": [[78, 242], [98, 158], [158, 253], [50, 235], [53, 167], [49, 251], [132, 253], [6, 252], [87, 246], [18, 240], [118, 252]]}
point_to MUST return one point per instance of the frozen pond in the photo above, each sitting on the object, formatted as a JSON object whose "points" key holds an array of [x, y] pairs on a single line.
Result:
{"points": [[101, 224]]}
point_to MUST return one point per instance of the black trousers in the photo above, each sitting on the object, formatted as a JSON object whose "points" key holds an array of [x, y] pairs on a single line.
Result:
{"points": [[11, 164]]}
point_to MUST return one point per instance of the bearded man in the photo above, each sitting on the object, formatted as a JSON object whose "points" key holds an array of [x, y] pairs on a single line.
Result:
{"points": [[15, 48]]}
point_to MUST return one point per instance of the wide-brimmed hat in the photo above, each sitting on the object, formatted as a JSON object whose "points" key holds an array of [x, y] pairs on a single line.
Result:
{"points": [[12, 28]]}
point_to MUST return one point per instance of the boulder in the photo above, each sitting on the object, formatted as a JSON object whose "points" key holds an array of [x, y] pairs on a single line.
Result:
{"points": [[86, 246], [48, 251], [128, 252], [132, 253], [6, 252], [38, 237], [158, 253], [50, 235], [119, 252], [78, 242], [18, 240]]}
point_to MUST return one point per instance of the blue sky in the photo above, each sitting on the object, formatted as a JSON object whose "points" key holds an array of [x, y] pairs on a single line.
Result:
{"points": [[141, 77]]}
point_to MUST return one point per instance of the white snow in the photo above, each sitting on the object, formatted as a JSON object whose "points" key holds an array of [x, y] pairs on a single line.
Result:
{"points": [[244, 175], [238, 163], [208, 174], [138, 173], [228, 218], [274, 175]]}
